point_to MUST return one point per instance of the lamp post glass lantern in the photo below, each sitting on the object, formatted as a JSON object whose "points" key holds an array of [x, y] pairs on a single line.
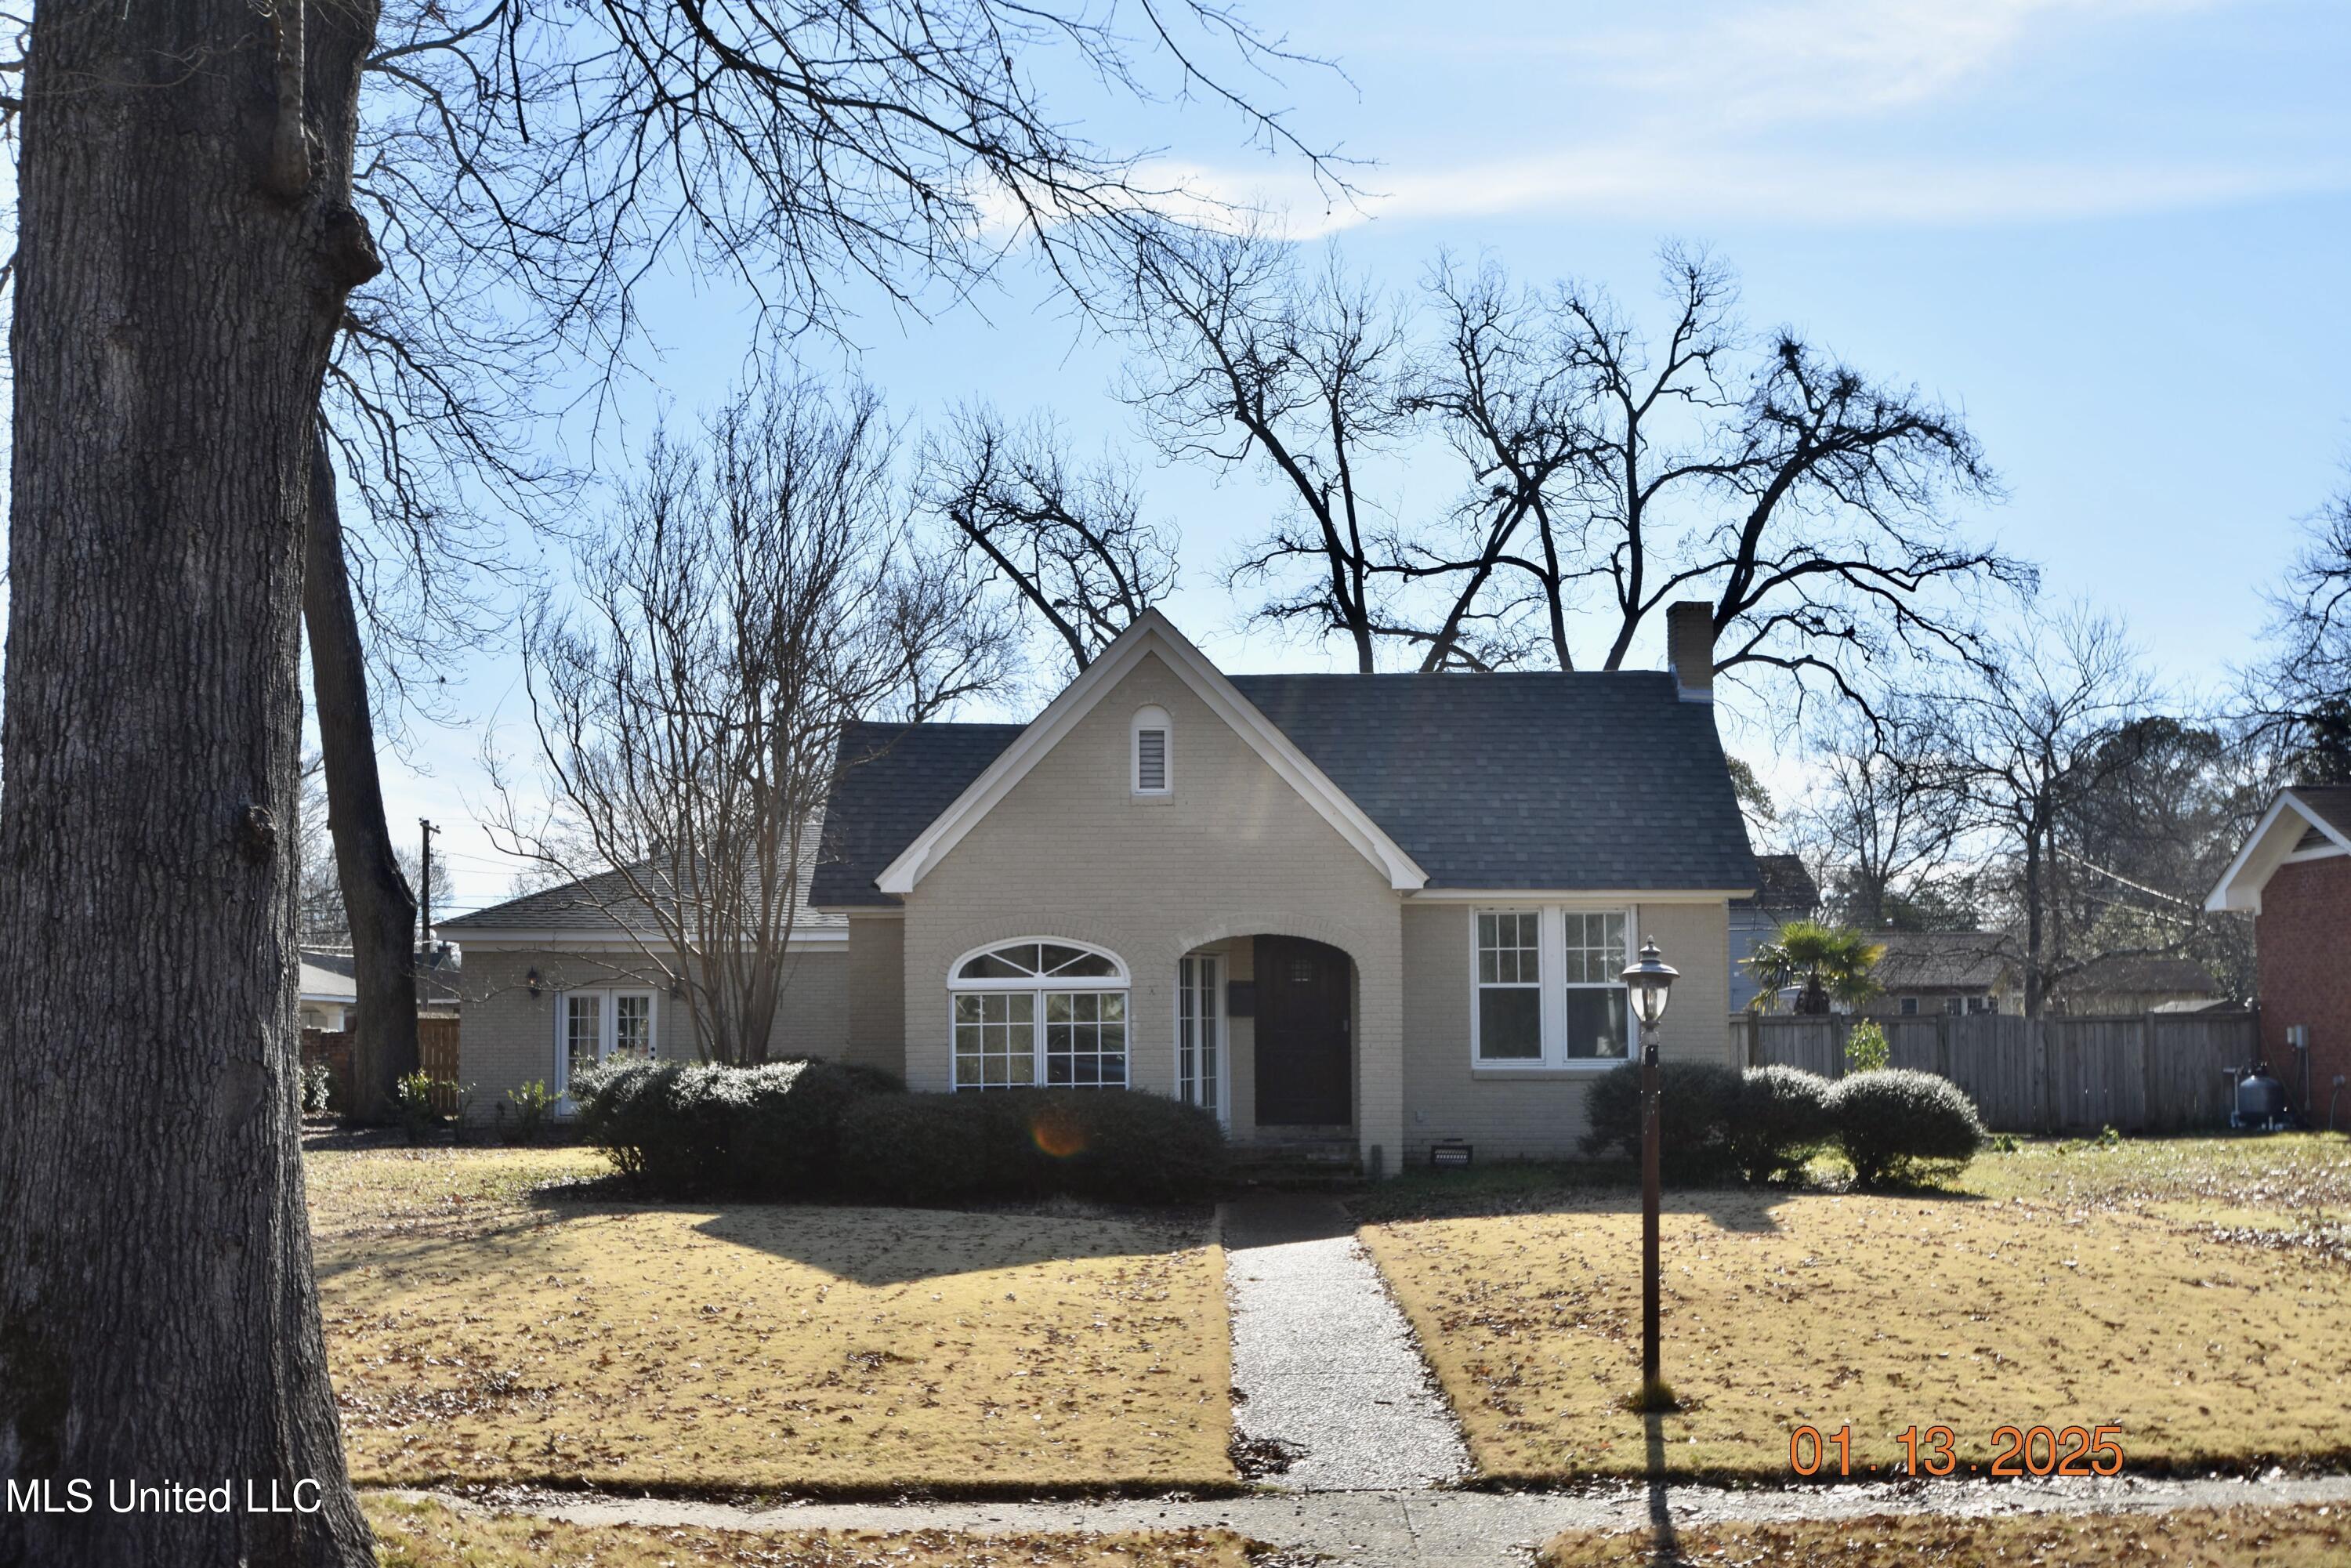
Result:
{"points": [[1648, 982]]}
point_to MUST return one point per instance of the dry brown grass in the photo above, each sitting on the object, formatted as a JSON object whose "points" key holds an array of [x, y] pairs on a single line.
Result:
{"points": [[2309, 1536], [479, 1332], [2069, 1306], [417, 1534]]}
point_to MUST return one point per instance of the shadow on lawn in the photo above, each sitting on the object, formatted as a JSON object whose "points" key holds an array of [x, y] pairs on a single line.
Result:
{"points": [[872, 1246]]}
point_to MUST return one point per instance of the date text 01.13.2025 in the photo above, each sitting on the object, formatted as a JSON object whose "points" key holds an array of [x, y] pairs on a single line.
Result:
{"points": [[1930, 1451]]}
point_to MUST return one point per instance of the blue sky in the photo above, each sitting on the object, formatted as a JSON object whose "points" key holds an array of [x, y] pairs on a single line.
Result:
{"points": [[2114, 232]]}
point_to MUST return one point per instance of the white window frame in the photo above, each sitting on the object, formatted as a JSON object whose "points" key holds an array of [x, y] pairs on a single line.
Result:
{"points": [[1151, 718], [1041, 987], [1222, 1108], [607, 1027], [1551, 962]]}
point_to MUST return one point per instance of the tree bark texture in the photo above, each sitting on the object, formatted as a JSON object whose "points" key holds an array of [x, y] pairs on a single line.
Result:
{"points": [[182, 265], [377, 899]]}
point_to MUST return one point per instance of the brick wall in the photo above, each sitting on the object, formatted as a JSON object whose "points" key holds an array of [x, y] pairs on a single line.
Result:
{"points": [[1231, 851], [506, 1036], [2303, 943], [1508, 1112]]}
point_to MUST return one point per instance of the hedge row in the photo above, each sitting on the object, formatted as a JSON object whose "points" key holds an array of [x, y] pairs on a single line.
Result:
{"points": [[1764, 1123], [817, 1129]]}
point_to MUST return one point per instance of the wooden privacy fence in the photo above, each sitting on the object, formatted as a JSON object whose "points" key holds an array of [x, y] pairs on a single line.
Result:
{"points": [[436, 1054], [2153, 1072]]}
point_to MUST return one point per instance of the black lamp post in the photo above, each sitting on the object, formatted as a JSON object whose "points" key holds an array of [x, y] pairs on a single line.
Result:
{"points": [[1648, 981]]}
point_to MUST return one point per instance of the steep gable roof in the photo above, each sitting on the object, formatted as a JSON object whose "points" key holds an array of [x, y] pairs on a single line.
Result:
{"points": [[1520, 780], [2285, 832], [1151, 635]]}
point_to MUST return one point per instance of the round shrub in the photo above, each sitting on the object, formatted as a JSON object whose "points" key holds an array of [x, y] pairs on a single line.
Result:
{"points": [[785, 1136], [1696, 1101], [1781, 1118], [1900, 1126]]}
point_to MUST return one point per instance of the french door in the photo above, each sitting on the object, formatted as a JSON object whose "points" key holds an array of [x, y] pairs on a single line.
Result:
{"points": [[596, 1027], [1200, 1033]]}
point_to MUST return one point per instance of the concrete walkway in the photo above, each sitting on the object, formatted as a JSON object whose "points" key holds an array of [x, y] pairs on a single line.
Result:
{"points": [[1452, 1529], [1326, 1372]]}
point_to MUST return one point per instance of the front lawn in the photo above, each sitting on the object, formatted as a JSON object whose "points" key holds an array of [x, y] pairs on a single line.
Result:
{"points": [[480, 1329], [2086, 1288], [412, 1533], [2310, 1536]]}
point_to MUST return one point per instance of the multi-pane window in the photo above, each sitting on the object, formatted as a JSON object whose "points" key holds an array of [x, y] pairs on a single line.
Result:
{"points": [[995, 1039], [1594, 974], [1199, 1035], [1547, 986], [633, 1027], [1085, 1038], [583, 1032], [1019, 1020], [1510, 984]]}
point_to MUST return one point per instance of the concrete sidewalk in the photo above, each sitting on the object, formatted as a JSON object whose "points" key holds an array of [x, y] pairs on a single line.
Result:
{"points": [[1325, 1369], [1421, 1528]]}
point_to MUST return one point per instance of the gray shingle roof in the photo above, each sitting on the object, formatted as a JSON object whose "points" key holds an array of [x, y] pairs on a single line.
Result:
{"points": [[603, 903], [1944, 960], [1509, 780], [894, 779], [1783, 885], [2330, 801]]}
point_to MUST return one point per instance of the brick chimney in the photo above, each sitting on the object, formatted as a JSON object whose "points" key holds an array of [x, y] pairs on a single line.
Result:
{"points": [[1690, 648]]}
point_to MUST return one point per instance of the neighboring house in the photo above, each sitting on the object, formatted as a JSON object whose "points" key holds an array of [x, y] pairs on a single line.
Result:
{"points": [[1927, 972], [1391, 910], [1784, 891], [560, 981], [329, 997], [2294, 876], [2129, 984]]}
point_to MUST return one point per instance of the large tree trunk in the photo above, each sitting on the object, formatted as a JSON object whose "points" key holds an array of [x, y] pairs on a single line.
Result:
{"points": [[377, 899], [184, 251]]}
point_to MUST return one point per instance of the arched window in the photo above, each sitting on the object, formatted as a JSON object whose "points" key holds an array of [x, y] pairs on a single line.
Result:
{"points": [[1039, 1013], [1153, 752]]}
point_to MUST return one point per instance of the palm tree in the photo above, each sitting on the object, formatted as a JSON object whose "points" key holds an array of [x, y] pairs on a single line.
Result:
{"points": [[1821, 963]]}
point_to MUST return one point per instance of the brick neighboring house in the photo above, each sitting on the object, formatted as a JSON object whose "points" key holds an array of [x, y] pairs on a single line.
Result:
{"points": [[1378, 912], [2293, 875]]}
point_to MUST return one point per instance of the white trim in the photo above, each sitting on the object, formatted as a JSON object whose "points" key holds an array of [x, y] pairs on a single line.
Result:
{"points": [[1151, 717], [2240, 887], [1552, 988], [1152, 633], [1122, 981], [504, 941], [1524, 897], [1224, 963]]}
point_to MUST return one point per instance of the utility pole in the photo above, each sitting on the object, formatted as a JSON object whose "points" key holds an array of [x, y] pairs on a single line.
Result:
{"points": [[425, 892]]}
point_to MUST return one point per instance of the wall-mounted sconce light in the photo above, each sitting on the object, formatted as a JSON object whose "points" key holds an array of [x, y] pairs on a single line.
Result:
{"points": [[530, 978]]}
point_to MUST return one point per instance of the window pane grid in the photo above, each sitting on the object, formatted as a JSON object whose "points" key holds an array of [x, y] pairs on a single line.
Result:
{"points": [[1085, 1038], [1509, 980], [995, 1040]]}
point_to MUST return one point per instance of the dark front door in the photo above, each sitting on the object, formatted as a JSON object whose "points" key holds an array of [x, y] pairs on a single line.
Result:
{"points": [[1303, 1052]]}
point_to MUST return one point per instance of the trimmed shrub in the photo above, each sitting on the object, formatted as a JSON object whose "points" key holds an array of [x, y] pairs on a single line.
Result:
{"points": [[1113, 1145], [925, 1149], [1698, 1101], [1901, 1126], [769, 1131], [1781, 1118], [1866, 1049]]}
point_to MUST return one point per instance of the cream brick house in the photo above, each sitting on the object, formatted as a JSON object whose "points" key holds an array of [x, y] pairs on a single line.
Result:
{"points": [[1384, 909]]}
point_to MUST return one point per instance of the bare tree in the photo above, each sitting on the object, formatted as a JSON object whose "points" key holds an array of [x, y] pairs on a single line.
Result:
{"points": [[1245, 359], [1605, 472], [189, 240], [757, 593], [2053, 719], [1070, 542], [1882, 823], [2300, 697]]}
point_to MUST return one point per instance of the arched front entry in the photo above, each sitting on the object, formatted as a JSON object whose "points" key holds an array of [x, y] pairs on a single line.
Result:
{"points": [[1305, 1034]]}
